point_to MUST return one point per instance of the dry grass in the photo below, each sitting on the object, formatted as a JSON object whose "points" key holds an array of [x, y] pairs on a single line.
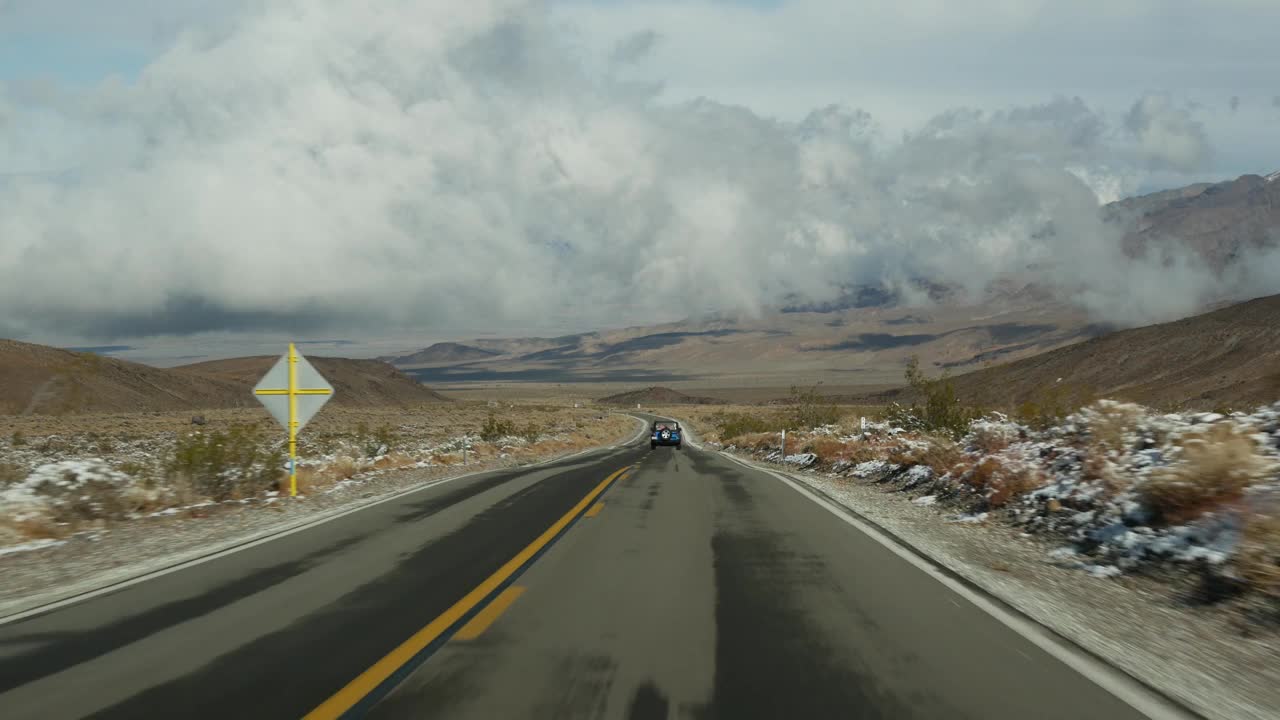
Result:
{"points": [[939, 454], [998, 482], [11, 473], [1111, 423], [1215, 468], [758, 440], [827, 448], [991, 439], [40, 527], [1259, 555]]}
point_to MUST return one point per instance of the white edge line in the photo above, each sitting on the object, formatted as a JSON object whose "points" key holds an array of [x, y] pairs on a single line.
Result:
{"points": [[643, 426], [252, 541], [1122, 686]]}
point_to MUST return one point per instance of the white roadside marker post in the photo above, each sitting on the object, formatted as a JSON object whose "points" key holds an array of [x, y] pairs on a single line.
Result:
{"points": [[293, 392], [784, 445]]}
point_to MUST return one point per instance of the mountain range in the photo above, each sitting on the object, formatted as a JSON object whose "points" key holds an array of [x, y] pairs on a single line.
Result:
{"points": [[864, 336], [43, 380]]}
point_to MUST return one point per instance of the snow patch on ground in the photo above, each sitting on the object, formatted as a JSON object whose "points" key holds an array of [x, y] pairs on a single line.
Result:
{"points": [[29, 546], [1084, 480]]}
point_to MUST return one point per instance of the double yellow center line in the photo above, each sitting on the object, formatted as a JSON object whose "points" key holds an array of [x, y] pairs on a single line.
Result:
{"points": [[384, 669]]}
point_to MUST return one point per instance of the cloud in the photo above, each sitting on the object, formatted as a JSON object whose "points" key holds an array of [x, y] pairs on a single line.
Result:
{"points": [[634, 47], [328, 165], [1235, 103], [1167, 135]]}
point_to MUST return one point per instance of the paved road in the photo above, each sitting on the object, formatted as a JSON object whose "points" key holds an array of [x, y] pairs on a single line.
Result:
{"points": [[628, 583]]}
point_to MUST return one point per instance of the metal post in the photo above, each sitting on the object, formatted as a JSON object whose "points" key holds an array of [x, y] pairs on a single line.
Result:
{"points": [[293, 421]]}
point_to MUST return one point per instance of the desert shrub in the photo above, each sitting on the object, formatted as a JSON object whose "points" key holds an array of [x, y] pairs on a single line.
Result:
{"points": [[810, 409], [495, 428], [906, 417], [308, 479], [826, 448], [940, 455], [1259, 555], [11, 473], [531, 433], [736, 425], [990, 438], [17, 439], [226, 464], [71, 491], [344, 468], [385, 436], [758, 441], [1215, 467], [833, 450], [328, 442], [1110, 425], [941, 412], [135, 469], [1111, 422], [998, 482], [380, 441]]}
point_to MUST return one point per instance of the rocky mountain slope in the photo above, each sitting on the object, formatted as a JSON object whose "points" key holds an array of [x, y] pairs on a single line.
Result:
{"points": [[1229, 357], [42, 380]]}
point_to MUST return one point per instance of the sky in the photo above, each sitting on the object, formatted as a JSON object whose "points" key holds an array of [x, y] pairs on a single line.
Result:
{"points": [[184, 174]]}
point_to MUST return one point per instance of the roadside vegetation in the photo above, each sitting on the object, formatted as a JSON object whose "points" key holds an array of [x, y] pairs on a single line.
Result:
{"points": [[77, 479], [1192, 498]]}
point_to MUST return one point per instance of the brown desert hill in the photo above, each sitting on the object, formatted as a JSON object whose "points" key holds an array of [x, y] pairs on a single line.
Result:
{"points": [[1226, 358], [657, 396], [42, 380], [356, 383]]}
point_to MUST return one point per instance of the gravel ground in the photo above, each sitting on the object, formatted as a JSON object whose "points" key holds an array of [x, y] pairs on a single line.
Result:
{"points": [[1193, 654], [94, 559]]}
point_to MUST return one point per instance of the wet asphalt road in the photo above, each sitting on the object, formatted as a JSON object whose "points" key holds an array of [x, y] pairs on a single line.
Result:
{"points": [[691, 587]]}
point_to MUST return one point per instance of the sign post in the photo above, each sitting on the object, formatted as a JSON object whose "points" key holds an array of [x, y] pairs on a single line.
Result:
{"points": [[293, 392]]}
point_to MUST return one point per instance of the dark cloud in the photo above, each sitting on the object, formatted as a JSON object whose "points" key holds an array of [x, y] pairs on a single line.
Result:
{"points": [[189, 315]]}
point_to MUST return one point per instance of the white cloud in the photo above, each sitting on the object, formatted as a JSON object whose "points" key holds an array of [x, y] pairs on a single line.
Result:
{"points": [[458, 168]]}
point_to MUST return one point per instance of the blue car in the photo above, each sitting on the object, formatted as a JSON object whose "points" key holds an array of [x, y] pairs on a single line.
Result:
{"points": [[665, 432]]}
